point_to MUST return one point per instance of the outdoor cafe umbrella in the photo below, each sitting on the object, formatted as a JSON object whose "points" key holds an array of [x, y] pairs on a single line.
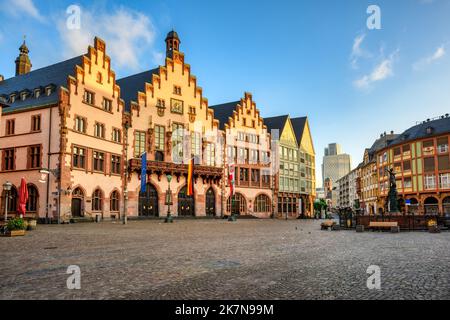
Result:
{"points": [[23, 198]]}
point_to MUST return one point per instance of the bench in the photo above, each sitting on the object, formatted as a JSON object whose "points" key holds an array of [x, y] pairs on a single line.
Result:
{"points": [[327, 224], [393, 226]]}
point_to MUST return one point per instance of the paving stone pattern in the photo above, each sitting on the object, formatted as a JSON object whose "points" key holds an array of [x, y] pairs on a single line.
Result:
{"points": [[217, 259]]}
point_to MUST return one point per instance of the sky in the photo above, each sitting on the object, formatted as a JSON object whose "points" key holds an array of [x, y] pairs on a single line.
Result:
{"points": [[316, 58]]}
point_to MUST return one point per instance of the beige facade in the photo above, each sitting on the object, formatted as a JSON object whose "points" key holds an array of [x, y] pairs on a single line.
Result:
{"points": [[170, 121]]}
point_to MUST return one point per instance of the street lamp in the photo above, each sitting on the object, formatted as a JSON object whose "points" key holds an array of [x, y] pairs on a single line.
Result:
{"points": [[7, 188], [169, 201], [56, 174], [232, 216]]}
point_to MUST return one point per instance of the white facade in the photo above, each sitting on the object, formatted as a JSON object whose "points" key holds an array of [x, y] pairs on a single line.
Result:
{"points": [[347, 194]]}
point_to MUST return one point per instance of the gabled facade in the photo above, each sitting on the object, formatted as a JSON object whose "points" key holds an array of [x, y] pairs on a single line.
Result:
{"points": [[296, 183], [57, 131], [307, 158], [91, 139], [248, 153], [169, 120]]}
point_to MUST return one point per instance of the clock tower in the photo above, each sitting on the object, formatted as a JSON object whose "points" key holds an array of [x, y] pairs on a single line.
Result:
{"points": [[172, 44]]}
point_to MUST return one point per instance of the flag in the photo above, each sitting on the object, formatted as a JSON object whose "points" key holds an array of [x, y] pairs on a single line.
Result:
{"points": [[231, 179], [23, 198], [190, 178], [144, 172]]}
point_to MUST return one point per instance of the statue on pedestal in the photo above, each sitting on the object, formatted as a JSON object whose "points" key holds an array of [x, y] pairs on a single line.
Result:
{"points": [[393, 194]]}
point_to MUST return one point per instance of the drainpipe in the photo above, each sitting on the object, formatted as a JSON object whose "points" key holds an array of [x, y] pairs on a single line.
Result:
{"points": [[48, 162], [125, 189]]}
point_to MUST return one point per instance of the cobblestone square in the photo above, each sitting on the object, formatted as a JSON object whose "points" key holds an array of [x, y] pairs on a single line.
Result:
{"points": [[216, 259]]}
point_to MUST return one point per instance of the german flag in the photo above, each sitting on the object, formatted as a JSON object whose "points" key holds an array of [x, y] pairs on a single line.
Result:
{"points": [[190, 178]]}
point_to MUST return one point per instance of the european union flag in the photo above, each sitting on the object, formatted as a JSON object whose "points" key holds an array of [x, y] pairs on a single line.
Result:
{"points": [[144, 172]]}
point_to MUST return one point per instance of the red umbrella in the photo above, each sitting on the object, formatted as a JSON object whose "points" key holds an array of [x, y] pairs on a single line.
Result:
{"points": [[23, 197]]}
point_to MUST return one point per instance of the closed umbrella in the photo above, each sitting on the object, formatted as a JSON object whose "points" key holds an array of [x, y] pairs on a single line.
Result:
{"points": [[23, 198]]}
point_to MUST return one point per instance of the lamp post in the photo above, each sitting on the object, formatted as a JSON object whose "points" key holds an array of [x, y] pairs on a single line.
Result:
{"points": [[7, 188], [57, 174], [169, 201]]}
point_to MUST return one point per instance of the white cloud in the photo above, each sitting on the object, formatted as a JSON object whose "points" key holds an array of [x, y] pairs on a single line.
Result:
{"points": [[437, 55], [382, 71], [158, 58], [18, 8], [127, 34], [357, 51]]}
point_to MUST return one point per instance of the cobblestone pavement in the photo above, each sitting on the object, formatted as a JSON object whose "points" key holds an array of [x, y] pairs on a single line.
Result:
{"points": [[216, 259]]}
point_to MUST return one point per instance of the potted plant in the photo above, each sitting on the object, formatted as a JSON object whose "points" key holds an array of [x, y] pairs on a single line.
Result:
{"points": [[433, 226], [16, 227], [31, 224]]}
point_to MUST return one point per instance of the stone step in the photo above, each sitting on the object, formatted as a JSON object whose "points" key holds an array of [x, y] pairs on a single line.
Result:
{"points": [[81, 219]]}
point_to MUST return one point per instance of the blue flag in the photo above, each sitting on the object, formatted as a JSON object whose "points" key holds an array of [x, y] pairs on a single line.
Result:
{"points": [[144, 172]]}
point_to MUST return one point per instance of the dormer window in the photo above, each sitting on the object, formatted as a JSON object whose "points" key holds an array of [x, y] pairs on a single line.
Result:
{"points": [[23, 96], [37, 93], [430, 130], [48, 91], [12, 98]]}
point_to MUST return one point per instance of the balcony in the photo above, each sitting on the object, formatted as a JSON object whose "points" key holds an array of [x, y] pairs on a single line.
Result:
{"points": [[178, 170]]}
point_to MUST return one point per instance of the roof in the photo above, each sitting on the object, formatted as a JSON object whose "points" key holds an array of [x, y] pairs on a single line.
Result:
{"points": [[129, 86], [276, 123], [299, 127], [55, 75], [172, 34], [381, 143], [438, 126], [223, 111]]}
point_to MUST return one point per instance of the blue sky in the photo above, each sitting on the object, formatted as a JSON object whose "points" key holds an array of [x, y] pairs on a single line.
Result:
{"points": [[315, 58]]}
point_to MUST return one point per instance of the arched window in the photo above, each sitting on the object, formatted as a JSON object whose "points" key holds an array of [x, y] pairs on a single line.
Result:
{"points": [[33, 197], [262, 203], [237, 204], [97, 200], [114, 201], [431, 206], [446, 205]]}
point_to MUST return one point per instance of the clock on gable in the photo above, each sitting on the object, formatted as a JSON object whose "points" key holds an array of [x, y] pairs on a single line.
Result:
{"points": [[176, 106]]}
